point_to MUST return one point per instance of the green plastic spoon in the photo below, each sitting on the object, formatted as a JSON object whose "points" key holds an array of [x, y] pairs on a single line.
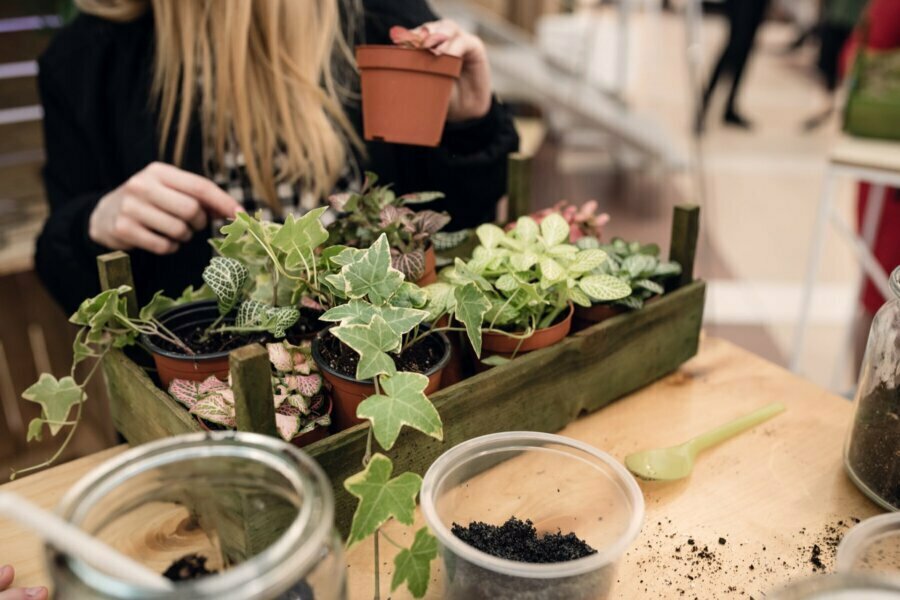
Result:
{"points": [[677, 462]]}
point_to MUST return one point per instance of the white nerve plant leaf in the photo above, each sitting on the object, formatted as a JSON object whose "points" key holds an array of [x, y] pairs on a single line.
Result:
{"points": [[226, 278]]}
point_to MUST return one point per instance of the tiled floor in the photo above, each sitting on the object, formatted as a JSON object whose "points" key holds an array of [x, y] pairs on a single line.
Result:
{"points": [[762, 189]]}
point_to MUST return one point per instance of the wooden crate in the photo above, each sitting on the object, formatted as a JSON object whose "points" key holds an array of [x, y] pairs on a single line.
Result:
{"points": [[539, 391]]}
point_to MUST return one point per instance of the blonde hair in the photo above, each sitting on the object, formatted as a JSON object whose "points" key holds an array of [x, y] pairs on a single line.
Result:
{"points": [[265, 72]]}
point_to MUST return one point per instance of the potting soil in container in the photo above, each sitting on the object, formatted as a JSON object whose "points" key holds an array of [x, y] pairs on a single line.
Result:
{"points": [[193, 566], [518, 540], [873, 452]]}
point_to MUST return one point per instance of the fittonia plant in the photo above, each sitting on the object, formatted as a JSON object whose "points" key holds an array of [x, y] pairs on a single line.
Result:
{"points": [[104, 324], [382, 314], [300, 402], [522, 279], [636, 266], [376, 211]]}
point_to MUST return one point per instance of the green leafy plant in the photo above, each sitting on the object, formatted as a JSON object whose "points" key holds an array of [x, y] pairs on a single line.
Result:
{"points": [[634, 265], [376, 211], [104, 324], [521, 280], [379, 316], [300, 402]]}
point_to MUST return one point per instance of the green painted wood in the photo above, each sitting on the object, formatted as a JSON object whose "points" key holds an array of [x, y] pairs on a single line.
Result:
{"points": [[518, 185], [683, 248], [140, 410], [251, 381], [590, 369], [115, 270]]}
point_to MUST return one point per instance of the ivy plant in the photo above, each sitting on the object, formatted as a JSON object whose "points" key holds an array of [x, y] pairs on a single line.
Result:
{"points": [[377, 210], [636, 266], [104, 324], [300, 402], [521, 280], [380, 314]]}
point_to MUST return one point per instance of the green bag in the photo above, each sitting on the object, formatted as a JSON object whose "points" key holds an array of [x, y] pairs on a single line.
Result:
{"points": [[873, 102]]}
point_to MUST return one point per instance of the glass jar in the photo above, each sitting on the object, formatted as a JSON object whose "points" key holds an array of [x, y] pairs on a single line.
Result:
{"points": [[560, 484], [872, 546], [872, 454], [258, 510], [842, 586]]}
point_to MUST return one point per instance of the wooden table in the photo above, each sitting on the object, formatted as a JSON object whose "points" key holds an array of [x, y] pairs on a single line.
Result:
{"points": [[758, 504]]}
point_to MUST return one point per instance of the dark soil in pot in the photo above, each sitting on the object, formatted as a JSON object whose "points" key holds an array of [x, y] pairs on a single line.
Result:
{"points": [[519, 541], [873, 454], [189, 566], [420, 358]]}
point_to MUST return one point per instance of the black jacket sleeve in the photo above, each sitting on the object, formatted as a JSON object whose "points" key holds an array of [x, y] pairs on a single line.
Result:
{"points": [[65, 255], [469, 165]]}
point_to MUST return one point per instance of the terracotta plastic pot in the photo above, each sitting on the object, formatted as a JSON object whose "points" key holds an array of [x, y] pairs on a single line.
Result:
{"points": [[305, 439], [493, 344], [596, 313], [347, 393], [405, 93], [175, 365], [430, 275]]}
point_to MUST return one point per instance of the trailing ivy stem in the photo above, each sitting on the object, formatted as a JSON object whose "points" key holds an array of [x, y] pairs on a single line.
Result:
{"points": [[368, 455], [377, 565], [392, 542]]}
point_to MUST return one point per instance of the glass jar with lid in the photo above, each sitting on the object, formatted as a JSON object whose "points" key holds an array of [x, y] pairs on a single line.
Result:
{"points": [[872, 454], [254, 510]]}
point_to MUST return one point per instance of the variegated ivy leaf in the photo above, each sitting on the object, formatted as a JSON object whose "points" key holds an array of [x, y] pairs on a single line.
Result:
{"points": [[527, 229], [587, 260], [189, 294], [402, 402], [345, 257], [409, 295], [604, 288], [640, 265], [353, 312], [554, 229], [429, 222], [288, 426], [381, 497], [371, 274], [226, 278], [413, 565], [56, 397], [372, 342], [460, 274], [440, 299], [650, 286], [35, 430], [298, 239], [420, 197], [157, 305], [470, 307], [490, 235], [411, 264], [96, 313]]}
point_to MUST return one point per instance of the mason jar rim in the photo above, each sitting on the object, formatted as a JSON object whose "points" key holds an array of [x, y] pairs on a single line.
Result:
{"points": [[296, 551], [512, 440]]}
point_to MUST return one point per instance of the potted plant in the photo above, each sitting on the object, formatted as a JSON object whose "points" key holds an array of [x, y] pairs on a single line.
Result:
{"points": [[264, 276], [639, 271], [520, 287], [405, 89], [377, 210], [583, 220], [381, 327], [302, 406]]}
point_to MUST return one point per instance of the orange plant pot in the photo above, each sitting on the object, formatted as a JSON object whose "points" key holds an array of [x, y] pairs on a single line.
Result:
{"points": [[174, 365], [347, 393], [405, 93], [497, 344], [596, 313], [430, 275]]}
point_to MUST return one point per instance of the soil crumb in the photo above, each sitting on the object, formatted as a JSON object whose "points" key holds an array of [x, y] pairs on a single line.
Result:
{"points": [[190, 566], [518, 540]]}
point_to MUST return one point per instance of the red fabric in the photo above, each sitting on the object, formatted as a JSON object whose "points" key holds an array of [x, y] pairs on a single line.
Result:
{"points": [[883, 33]]}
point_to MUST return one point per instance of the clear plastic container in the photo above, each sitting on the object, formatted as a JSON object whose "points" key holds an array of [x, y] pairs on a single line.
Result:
{"points": [[259, 510], [560, 484], [872, 455], [872, 546], [840, 587]]}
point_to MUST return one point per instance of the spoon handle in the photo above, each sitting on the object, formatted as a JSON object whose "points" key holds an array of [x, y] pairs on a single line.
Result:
{"points": [[732, 428]]}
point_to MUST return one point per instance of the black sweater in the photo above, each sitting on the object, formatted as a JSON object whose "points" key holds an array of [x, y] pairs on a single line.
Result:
{"points": [[99, 130]]}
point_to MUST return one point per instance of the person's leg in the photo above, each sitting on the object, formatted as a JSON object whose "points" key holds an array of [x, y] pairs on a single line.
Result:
{"points": [[747, 20], [726, 57]]}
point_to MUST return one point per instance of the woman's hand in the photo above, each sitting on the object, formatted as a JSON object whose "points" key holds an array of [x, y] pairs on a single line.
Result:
{"points": [[471, 97], [157, 209], [7, 574]]}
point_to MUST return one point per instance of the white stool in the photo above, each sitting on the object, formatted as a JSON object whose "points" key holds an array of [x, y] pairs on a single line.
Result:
{"points": [[877, 163]]}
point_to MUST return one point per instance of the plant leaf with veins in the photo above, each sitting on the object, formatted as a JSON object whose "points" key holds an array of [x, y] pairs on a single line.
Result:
{"points": [[56, 397], [413, 565], [380, 497], [371, 342], [471, 306], [371, 275], [226, 278], [403, 402]]}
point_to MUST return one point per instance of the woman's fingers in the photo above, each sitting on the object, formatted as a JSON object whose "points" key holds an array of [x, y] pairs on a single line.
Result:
{"points": [[132, 234], [180, 205], [212, 197], [156, 219], [7, 574]]}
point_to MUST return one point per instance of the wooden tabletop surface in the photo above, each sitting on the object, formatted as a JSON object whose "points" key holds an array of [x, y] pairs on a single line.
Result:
{"points": [[746, 522]]}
